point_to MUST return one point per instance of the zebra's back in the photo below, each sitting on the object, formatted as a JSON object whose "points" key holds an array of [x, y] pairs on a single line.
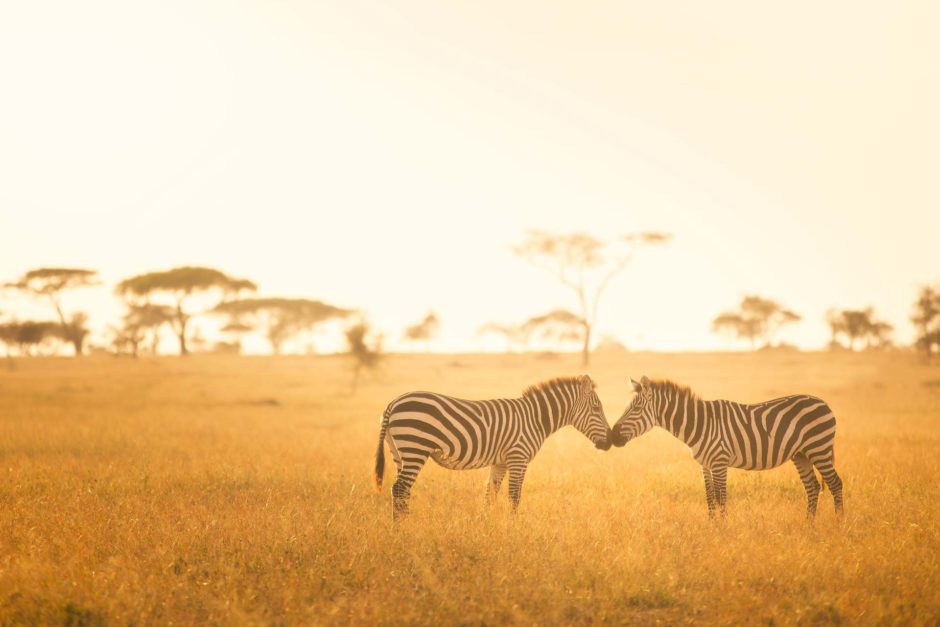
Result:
{"points": [[456, 433], [768, 434]]}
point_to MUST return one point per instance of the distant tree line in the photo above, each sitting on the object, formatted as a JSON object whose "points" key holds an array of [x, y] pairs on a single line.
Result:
{"points": [[171, 300], [758, 320]]}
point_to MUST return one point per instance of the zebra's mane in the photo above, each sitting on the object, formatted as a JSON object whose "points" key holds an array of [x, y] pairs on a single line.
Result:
{"points": [[680, 391], [550, 383]]}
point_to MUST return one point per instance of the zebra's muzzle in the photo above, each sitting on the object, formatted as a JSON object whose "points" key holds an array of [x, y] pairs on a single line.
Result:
{"points": [[617, 439]]}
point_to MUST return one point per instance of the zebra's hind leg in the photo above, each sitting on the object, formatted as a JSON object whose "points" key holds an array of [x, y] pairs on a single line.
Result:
{"points": [[824, 463], [709, 491], [494, 483], [808, 476], [412, 461]]}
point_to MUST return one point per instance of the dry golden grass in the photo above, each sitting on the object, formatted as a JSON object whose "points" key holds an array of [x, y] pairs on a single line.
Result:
{"points": [[238, 490]]}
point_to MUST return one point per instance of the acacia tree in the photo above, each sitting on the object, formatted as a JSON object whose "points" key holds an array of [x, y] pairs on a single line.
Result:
{"points": [[365, 348], [424, 331], [514, 334], [236, 330], [755, 319], [586, 265], [926, 318], [27, 335], [179, 285], [140, 323], [559, 325], [836, 324], [858, 324], [48, 284], [280, 319]]}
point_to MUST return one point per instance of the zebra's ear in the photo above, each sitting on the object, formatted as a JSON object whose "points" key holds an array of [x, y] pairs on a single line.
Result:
{"points": [[645, 382], [636, 386], [587, 386]]}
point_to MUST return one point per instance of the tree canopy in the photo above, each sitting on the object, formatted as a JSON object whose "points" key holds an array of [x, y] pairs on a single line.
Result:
{"points": [[179, 284], [25, 335], [926, 318], [50, 283], [586, 265], [424, 330], [755, 319], [559, 325], [858, 324], [280, 318], [183, 281]]}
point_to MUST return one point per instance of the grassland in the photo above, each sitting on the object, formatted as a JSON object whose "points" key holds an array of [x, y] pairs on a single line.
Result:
{"points": [[238, 490]]}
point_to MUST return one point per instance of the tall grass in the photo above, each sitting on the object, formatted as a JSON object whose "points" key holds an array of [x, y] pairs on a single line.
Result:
{"points": [[238, 490]]}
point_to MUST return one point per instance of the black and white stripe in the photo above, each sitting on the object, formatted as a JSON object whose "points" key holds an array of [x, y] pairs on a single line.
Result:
{"points": [[504, 434], [723, 434]]}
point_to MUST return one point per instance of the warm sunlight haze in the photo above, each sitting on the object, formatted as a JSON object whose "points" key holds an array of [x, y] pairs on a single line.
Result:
{"points": [[385, 156], [469, 313]]}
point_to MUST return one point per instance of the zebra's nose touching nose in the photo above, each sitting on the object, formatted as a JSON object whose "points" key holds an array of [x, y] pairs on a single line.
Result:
{"points": [[617, 438], [605, 443]]}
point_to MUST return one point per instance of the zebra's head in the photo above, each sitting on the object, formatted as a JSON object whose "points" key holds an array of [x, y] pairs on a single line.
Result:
{"points": [[638, 417], [587, 414]]}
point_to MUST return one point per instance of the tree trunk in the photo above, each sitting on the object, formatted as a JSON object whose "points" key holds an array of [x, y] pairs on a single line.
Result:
{"points": [[586, 348], [182, 336], [181, 327], [68, 333]]}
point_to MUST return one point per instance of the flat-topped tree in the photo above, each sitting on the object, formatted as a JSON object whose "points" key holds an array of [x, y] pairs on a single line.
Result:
{"points": [[281, 319], [756, 319], [48, 284], [560, 325], [585, 265], [858, 324], [514, 334], [424, 331], [26, 335], [180, 285], [926, 319], [141, 321]]}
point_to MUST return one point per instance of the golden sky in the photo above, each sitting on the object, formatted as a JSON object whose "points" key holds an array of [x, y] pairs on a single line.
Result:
{"points": [[386, 155]]}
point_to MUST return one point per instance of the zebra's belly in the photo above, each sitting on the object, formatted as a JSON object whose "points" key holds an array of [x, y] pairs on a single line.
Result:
{"points": [[456, 463]]}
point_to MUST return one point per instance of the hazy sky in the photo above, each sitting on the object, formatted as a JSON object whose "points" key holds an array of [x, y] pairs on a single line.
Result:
{"points": [[386, 155]]}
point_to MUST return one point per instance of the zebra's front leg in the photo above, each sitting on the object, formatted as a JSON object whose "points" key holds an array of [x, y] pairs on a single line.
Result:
{"points": [[494, 483], [516, 477], [719, 486], [709, 491]]}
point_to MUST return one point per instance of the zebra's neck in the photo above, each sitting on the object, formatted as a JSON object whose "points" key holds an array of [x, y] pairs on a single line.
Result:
{"points": [[548, 409], [683, 415]]}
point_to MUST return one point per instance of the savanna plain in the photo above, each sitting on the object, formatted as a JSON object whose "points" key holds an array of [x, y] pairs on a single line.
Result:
{"points": [[238, 490]]}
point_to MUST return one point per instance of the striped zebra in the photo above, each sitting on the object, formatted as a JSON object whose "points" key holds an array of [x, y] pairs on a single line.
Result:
{"points": [[723, 434], [504, 434]]}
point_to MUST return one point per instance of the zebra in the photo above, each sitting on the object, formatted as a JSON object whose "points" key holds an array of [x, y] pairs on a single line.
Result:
{"points": [[504, 434], [723, 434]]}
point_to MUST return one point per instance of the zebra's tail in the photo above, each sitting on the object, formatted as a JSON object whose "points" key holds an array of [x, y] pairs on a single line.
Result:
{"points": [[379, 474]]}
